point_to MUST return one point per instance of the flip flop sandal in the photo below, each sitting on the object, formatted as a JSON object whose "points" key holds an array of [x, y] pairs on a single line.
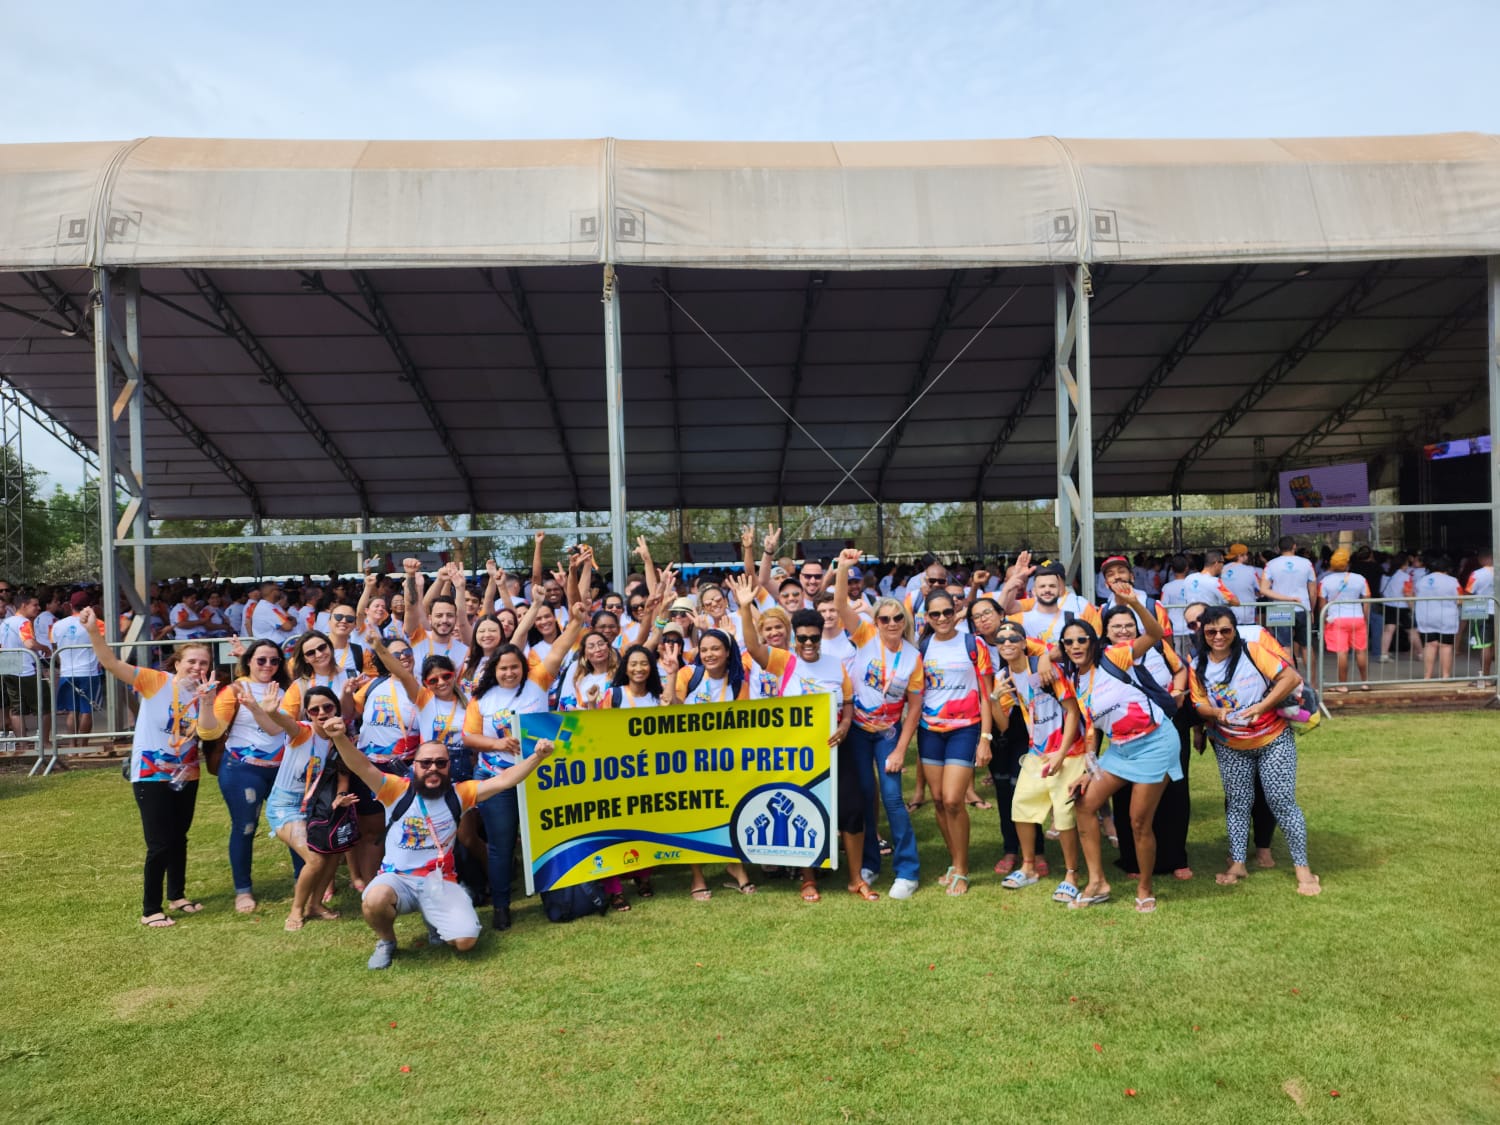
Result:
{"points": [[1066, 892], [324, 915], [980, 804], [745, 888], [188, 907], [1005, 866], [946, 876], [1083, 901], [1042, 868], [1018, 879], [862, 889], [618, 903], [701, 894], [643, 888], [810, 891], [245, 904], [294, 924], [886, 847], [157, 921], [1145, 905], [953, 891]]}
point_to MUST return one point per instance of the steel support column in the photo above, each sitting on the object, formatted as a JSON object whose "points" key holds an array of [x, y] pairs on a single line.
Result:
{"points": [[1075, 439], [109, 608], [139, 527], [257, 550], [1492, 380], [614, 394], [12, 489], [880, 531], [979, 526]]}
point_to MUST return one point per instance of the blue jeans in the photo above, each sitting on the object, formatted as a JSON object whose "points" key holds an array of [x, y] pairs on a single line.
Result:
{"points": [[502, 826], [870, 753], [245, 789]]}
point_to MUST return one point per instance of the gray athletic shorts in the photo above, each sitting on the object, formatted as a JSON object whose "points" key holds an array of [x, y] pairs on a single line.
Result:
{"points": [[445, 906]]}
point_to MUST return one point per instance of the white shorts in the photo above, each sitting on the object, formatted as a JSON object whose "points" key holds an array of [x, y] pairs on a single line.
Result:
{"points": [[445, 906]]}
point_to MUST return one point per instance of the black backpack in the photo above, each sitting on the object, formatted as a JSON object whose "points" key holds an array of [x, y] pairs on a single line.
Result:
{"points": [[1143, 682], [330, 830], [578, 901]]}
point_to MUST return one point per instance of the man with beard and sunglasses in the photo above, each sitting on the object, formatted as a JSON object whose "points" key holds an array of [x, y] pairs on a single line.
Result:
{"points": [[1051, 606], [419, 872]]}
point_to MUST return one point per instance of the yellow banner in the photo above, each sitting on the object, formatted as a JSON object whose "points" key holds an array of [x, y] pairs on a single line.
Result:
{"points": [[639, 787]]}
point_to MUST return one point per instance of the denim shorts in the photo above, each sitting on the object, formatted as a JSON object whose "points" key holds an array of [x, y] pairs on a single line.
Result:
{"points": [[948, 748], [282, 807]]}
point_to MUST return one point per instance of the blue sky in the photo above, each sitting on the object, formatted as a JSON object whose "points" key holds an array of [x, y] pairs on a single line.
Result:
{"points": [[770, 70]]}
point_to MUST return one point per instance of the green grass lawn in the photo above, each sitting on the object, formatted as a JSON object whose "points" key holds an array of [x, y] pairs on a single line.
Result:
{"points": [[1249, 1004]]}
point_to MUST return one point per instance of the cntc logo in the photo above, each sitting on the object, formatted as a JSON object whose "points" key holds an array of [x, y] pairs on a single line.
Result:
{"points": [[632, 857], [664, 855]]}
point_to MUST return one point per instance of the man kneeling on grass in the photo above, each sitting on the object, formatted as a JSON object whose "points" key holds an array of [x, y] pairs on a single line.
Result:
{"points": [[422, 815]]}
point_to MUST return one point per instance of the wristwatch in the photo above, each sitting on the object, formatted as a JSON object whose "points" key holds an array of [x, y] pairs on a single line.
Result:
{"points": [[987, 736]]}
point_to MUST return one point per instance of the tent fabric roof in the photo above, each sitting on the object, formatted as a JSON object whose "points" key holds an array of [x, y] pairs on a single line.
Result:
{"points": [[837, 206], [512, 361]]}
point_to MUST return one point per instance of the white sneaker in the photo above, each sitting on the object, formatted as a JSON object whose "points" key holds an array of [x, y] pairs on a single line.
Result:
{"points": [[903, 888], [867, 875], [1386, 659]]}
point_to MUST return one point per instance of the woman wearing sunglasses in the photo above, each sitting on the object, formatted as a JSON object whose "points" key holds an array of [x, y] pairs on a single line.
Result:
{"points": [[253, 747], [307, 756], [1170, 824], [589, 677], [954, 733], [1238, 686], [346, 653], [1050, 729], [886, 672], [388, 737], [1142, 745], [638, 683], [313, 664]]}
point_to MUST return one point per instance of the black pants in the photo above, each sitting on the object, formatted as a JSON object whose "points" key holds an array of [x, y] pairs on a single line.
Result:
{"points": [[166, 816], [1170, 824], [1262, 819], [1005, 767]]}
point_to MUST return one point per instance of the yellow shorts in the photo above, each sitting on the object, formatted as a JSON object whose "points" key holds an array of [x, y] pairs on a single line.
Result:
{"points": [[1036, 795]]}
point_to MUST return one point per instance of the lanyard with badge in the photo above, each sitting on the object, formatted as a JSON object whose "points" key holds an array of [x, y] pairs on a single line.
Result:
{"points": [[885, 683]]}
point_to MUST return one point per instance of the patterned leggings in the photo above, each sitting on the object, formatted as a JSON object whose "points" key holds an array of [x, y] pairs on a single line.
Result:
{"points": [[1276, 764]]}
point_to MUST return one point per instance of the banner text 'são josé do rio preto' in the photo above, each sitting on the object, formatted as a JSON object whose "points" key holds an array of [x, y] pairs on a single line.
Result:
{"points": [[638, 787]]}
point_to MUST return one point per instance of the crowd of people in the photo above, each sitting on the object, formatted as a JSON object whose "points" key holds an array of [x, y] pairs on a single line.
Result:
{"points": [[384, 708]]}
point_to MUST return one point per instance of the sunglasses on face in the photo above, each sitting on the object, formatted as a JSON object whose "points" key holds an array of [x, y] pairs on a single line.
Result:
{"points": [[814, 574], [344, 618], [401, 653], [809, 638], [263, 661], [438, 678], [1195, 624], [321, 710], [1010, 639], [314, 650], [940, 614], [1218, 632], [1071, 641], [888, 619], [439, 764], [636, 607]]}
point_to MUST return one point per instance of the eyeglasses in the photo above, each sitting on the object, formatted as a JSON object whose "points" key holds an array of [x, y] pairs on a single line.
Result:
{"points": [[314, 650], [401, 653], [343, 618], [438, 678], [264, 661], [636, 607], [888, 619], [1224, 632], [940, 614], [1071, 641], [439, 764], [322, 709], [809, 638]]}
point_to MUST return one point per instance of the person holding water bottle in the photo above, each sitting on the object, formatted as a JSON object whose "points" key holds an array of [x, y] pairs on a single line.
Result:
{"points": [[174, 713]]}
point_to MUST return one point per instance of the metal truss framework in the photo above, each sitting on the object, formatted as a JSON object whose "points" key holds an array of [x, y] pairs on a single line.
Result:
{"points": [[232, 326], [413, 378], [12, 488], [810, 300], [1072, 289], [924, 368]]}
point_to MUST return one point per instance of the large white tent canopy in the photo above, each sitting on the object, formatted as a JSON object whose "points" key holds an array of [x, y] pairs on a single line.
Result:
{"points": [[389, 328]]}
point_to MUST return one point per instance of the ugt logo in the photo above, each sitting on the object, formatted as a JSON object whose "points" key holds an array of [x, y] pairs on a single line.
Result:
{"points": [[632, 857]]}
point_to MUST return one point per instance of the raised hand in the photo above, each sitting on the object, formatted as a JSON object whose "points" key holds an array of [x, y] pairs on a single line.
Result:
{"points": [[493, 569], [539, 537], [747, 536], [978, 580], [670, 657], [849, 556], [88, 618], [411, 567], [370, 580], [642, 551], [772, 538], [544, 747], [1021, 569]]}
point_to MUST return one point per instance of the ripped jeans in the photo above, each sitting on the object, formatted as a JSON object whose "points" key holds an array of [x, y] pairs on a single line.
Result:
{"points": [[245, 789]]}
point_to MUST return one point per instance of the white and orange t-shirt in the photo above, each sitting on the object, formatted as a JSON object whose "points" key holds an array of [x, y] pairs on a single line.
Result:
{"points": [[1044, 711], [1243, 685], [166, 729], [388, 722], [421, 842], [951, 692], [709, 690], [768, 682], [1120, 712], [882, 679], [244, 739], [493, 715]]}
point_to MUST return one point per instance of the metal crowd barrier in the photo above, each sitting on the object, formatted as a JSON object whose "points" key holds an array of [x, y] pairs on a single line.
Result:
{"points": [[1388, 665], [12, 673], [113, 703], [1277, 616]]}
